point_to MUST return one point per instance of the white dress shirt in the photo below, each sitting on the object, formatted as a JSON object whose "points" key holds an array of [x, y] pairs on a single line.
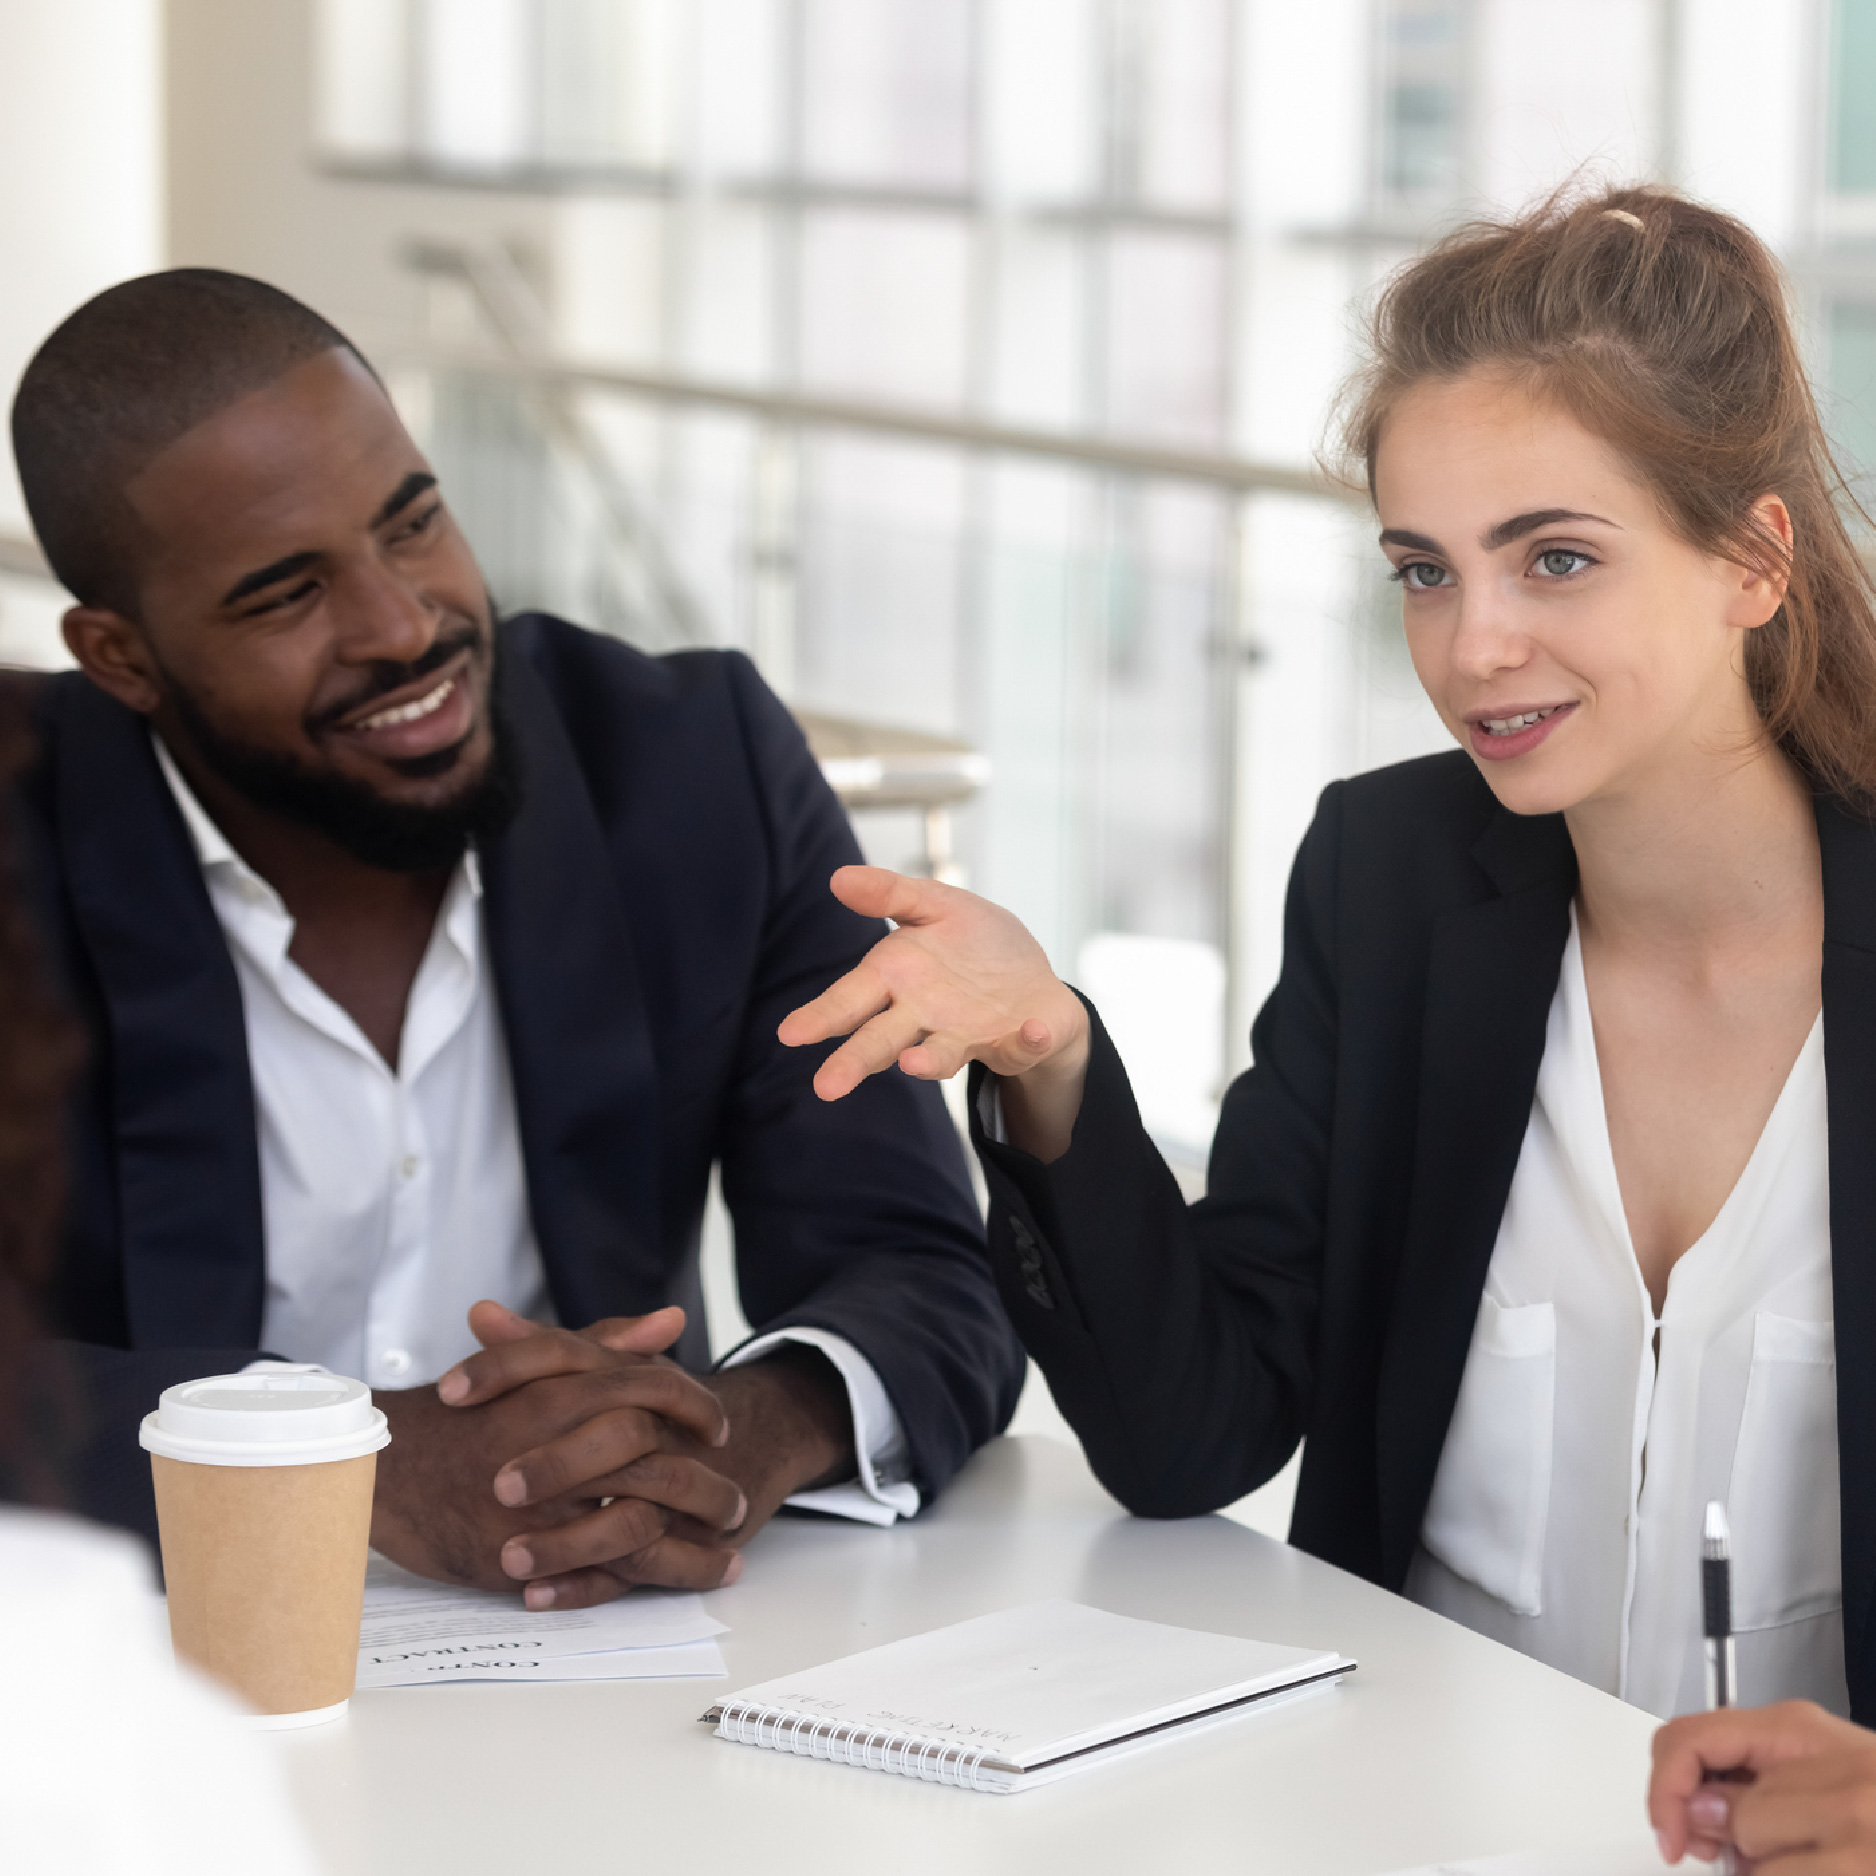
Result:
{"points": [[393, 1198], [1566, 1512]]}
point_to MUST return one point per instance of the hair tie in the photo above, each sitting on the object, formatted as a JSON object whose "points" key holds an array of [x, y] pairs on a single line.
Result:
{"points": [[1622, 214]]}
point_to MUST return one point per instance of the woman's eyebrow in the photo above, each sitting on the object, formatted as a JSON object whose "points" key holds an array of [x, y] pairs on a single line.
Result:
{"points": [[1520, 525], [1514, 529]]}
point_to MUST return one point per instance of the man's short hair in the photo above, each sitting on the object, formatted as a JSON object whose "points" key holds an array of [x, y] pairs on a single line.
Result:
{"points": [[118, 382]]}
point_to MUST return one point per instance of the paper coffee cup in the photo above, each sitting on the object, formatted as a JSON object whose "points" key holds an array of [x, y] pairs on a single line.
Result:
{"points": [[263, 1503]]}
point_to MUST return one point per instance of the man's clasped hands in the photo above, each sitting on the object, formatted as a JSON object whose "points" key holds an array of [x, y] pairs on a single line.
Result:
{"points": [[580, 1462]]}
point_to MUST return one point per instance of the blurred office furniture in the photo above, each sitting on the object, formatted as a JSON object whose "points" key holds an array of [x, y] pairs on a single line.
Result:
{"points": [[879, 767], [1414, 1762]]}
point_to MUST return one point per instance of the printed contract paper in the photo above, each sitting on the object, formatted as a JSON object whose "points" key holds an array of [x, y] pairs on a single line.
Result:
{"points": [[417, 1633]]}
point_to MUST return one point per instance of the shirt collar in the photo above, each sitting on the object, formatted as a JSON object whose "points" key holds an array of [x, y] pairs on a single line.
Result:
{"points": [[210, 843]]}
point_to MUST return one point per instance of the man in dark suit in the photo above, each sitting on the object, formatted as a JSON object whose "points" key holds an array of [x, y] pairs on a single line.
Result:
{"points": [[430, 965]]}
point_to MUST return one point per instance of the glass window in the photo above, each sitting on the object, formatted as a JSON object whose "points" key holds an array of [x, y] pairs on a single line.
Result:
{"points": [[1853, 97], [1424, 46], [1852, 401]]}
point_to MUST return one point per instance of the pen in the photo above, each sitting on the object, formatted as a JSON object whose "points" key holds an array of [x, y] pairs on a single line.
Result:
{"points": [[1716, 1627], [1716, 1608]]}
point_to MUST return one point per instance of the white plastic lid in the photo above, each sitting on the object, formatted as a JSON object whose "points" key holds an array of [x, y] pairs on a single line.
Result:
{"points": [[276, 1416]]}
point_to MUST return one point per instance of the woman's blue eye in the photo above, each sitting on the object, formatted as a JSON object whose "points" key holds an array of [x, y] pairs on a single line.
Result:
{"points": [[1420, 575], [1558, 563]]}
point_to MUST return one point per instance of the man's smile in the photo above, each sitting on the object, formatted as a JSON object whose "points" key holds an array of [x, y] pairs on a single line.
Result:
{"points": [[429, 714]]}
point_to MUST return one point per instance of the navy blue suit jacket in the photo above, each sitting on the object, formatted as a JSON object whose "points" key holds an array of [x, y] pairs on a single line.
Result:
{"points": [[658, 905]]}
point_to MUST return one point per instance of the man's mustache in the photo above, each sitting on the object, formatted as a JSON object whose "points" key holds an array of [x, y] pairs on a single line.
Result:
{"points": [[384, 678]]}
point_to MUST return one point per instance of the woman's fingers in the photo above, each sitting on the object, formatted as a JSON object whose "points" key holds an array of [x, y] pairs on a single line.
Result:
{"points": [[1022, 1049], [878, 892], [961, 979], [1825, 1804], [870, 1048], [937, 1058], [1710, 1763], [941, 1054], [841, 1008]]}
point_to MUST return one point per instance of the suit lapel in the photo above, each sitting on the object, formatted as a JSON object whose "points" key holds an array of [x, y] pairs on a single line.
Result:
{"points": [[175, 1051], [1848, 851], [1491, 975], [579, 1048]]}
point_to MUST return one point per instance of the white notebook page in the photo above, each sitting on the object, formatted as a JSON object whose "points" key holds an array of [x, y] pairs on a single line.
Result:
{"points": [[1030, 1686]]}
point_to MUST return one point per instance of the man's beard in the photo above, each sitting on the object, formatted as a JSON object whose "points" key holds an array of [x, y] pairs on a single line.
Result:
{"points": [[385, 834]]}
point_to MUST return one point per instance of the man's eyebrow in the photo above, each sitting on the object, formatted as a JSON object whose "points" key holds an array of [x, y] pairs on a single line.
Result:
{"points": [[403, 495], [1520, 525], [268, 576]]}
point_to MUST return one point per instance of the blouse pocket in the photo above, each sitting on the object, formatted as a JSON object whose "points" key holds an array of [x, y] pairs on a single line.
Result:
{"points": [[1491, 1495], [1783, 1500]]}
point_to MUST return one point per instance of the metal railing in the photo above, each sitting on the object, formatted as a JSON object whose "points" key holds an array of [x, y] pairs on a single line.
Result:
{"points": [[871, 765], [478, 270]]}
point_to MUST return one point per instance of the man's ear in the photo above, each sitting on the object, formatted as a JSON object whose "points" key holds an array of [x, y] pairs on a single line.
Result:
{"points": [[112, 652]]}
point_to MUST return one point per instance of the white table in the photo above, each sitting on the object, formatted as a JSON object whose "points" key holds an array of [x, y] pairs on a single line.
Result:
{"points": [[1442, 1745]]}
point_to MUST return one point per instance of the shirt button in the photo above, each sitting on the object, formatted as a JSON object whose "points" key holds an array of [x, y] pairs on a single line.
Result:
{"points": [[395, 1361], [408, 1165]]}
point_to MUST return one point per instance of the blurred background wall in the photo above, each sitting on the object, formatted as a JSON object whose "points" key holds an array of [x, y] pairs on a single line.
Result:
{"points": [[965, 361]]}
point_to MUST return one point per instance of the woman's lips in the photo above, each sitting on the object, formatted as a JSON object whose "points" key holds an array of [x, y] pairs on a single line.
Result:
{"points": [[1516, 733]]}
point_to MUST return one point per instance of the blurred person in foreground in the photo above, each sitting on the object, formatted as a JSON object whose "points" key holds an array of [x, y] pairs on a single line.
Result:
{"points": [[90, 1685], [1547, 1211], [431, 962]]}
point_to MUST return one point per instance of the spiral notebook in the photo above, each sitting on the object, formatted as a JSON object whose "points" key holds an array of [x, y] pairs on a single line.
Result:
{"points": [[1019, 1698]]}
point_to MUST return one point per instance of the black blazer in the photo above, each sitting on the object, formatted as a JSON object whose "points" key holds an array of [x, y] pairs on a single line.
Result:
{"points": [[658, 905], [1327, 1286]]}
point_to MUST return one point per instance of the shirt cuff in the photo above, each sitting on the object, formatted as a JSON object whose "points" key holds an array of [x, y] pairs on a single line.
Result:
{"points": [[990, 1111], [881, 1494]]}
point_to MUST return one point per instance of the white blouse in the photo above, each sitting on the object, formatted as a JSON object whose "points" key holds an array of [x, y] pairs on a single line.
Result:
{"points": [[114, 1762], [1565, 1515]]}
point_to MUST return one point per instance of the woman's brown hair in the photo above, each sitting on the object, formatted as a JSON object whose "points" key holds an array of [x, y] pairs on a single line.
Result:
{"points": [[1662, 327], [38, 1055]]}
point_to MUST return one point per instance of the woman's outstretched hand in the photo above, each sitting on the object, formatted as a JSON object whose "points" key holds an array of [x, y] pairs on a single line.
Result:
{"points": [[961, 980]]}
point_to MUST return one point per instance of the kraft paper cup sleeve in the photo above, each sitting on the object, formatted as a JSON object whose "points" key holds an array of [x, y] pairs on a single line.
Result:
{"points": [[263, 1490]]}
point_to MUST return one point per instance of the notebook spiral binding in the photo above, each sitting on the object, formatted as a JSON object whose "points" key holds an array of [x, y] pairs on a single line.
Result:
{"points": [[938, 1762]]}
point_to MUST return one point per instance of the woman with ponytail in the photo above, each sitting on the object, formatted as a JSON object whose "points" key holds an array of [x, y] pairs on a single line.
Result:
{"points": [[1546, 1214]]}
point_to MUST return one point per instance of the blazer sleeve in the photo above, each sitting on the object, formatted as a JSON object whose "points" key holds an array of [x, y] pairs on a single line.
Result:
{"points": [[854, 1216], [1178, 1341]]}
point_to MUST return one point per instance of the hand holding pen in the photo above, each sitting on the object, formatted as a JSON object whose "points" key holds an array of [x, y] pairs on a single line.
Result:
{"points": [[1780, 1790], [1808, 1810]]}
